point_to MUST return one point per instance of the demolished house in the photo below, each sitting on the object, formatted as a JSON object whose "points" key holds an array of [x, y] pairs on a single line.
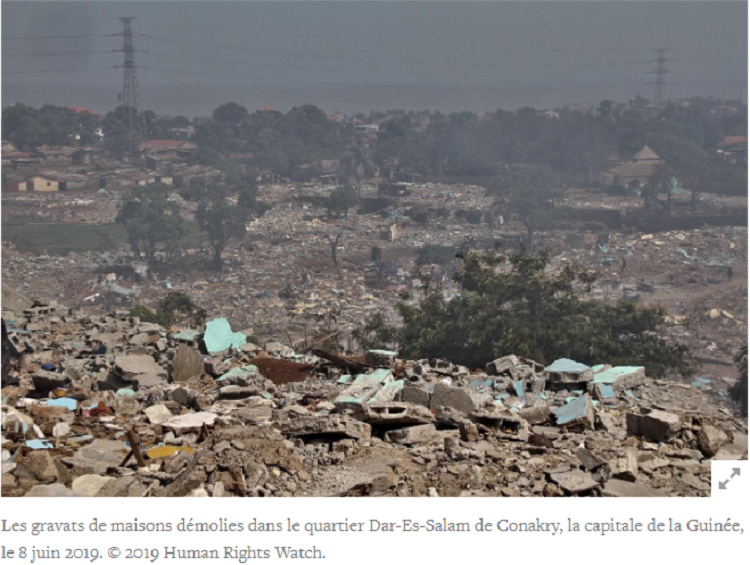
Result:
{"points": [[107, 405]]}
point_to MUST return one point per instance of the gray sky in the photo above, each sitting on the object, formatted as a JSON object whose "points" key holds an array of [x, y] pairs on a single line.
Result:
{"points": [[360, 56]]}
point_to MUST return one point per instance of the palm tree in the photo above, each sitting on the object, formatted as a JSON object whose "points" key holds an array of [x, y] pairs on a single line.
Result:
{"points": [[358, 162]]}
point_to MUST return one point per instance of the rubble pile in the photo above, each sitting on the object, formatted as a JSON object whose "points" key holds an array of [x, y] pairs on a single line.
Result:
{"points": [[105, 405]]}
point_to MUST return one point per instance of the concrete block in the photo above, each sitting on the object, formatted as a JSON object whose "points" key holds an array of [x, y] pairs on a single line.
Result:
{"points": [[454, 397], [657, 425], [617, 488], [413, 435]]}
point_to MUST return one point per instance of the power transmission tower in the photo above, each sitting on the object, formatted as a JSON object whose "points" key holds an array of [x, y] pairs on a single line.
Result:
{"points": [[131, 95], [660, 72]]}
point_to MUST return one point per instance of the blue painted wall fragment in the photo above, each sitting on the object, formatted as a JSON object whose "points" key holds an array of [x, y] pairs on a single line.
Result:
{"points": [[572, 411], [39, 444], [220, 337], [566, 366], [68, 403]]}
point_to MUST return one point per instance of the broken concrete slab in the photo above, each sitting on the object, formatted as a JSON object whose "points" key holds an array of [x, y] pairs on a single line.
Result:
{"points": [[415, 395], [445, 395], [656, 425], [625, 468], [139, 368], [331, 426], [90, 485], [618, 379], [187, 363], [158, 413], [617, 488], [45, 381], [502, 365], [574, 482], [55, 490], [711, 439], [568, 374], [364, 388], [579, 412], [395, 414], [413, 435], [97, 457], [191, 421]]}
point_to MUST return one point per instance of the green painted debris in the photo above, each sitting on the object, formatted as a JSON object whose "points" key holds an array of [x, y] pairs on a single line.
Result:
{"points": [[219, 336]]}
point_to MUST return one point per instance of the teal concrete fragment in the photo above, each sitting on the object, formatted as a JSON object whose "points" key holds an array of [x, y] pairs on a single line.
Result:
{"points": [[126, 392], [377, 376], [613, 374], [573, 410], [266, 395], [606, 391], [566, 366], [388, 392], [68, 403], [39, 444], [244, 372], [344, 379], [597, 368], [383, 352], [220, 337], [704, 380]]}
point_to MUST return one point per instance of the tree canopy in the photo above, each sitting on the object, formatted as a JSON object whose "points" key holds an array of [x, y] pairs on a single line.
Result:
{"points": [[527, 312], [224, 209], [151, 219]]}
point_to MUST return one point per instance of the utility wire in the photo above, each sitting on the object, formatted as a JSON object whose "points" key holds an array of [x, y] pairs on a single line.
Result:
{"points": [[59, 70]]}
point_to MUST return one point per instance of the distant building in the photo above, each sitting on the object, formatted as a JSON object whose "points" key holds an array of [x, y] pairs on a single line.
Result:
{"points": [[31, 183], [734, 148], [87, 155], [643, 168]]}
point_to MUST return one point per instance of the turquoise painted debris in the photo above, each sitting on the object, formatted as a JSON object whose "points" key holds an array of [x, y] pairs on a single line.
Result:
{"points": [[566, 366], [39, 444], [575, 409], [242, 372], [219, 336], [68, 403]]}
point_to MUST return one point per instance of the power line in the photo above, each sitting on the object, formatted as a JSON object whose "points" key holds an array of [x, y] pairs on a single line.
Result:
{"points": [[59, 54], [372, 60], [59, 70], [376, 85], [61, 36]]}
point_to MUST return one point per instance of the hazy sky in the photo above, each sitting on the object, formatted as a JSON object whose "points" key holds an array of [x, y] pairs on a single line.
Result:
{"points": [[360, 56]]}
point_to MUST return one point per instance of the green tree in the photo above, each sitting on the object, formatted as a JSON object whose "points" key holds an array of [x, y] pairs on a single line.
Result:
{"points": [[230, 113], [342, 198], [224, 208], [151, 220], [536, 315], [528, 192], [375, 333]]}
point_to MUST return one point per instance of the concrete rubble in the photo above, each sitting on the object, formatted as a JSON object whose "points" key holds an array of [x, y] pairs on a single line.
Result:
{"points": [[104, 405]]}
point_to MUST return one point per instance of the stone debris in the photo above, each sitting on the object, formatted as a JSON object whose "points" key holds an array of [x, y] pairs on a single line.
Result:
{"points": [[104, 405]]}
